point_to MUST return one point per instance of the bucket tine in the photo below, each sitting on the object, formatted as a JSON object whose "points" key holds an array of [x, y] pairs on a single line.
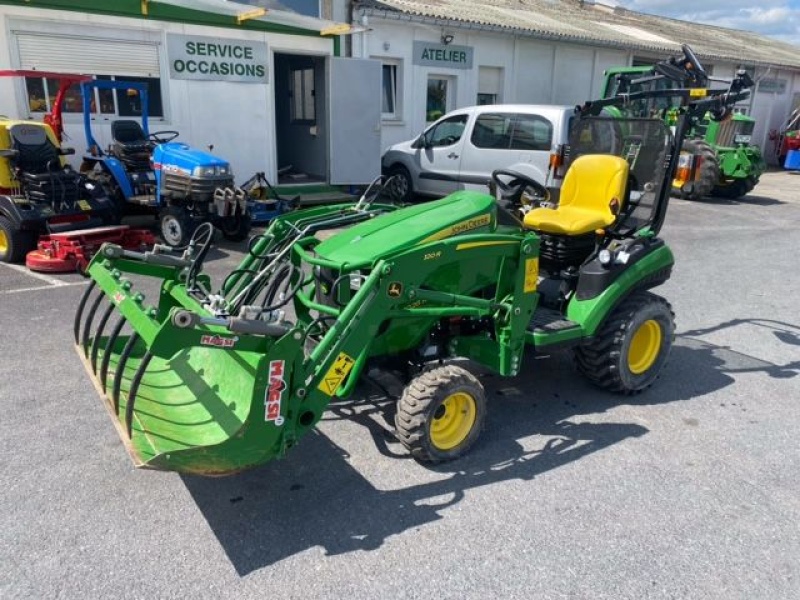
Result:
{"points": [[99, 333], [81, 306], [123, 358], [107, 351], [87, 326], [137, 379]]}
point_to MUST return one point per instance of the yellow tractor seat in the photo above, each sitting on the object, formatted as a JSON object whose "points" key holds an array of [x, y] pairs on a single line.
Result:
{"points": [[591, 197]]}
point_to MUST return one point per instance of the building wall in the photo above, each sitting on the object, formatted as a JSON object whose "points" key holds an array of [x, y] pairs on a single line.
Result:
{"points": [[238, 119], [533, 71]]}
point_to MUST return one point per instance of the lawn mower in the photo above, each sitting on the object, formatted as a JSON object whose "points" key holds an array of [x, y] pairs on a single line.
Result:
{"points": [[183, 186], [39, 192], [212, 380]]}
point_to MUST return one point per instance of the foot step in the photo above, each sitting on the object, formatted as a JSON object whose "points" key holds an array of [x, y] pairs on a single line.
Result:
{"points": [[549, 320]]}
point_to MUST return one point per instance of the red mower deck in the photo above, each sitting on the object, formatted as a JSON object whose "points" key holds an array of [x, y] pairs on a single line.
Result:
{"points": [[72, 250]]}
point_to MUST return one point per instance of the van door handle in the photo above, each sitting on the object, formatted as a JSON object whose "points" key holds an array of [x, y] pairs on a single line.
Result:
{"points": [[452, 155]]}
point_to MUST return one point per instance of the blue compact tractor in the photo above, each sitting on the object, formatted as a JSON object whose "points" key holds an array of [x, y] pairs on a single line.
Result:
{"points": [[149, 172]]}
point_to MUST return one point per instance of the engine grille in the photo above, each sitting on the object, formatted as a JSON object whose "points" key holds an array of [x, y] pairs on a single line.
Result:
{"points": [[199, 189]]}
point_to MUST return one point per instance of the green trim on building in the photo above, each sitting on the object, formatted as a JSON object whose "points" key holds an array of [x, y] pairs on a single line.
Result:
{"points": [[163, 12]]}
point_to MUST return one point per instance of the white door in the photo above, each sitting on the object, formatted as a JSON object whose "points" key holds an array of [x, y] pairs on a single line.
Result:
{"points": [[355, 120], [440, 156]]}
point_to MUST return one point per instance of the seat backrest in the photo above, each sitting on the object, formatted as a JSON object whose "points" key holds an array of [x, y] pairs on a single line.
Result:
{"points": [[595, 182], [127, 131], [35, 150]]}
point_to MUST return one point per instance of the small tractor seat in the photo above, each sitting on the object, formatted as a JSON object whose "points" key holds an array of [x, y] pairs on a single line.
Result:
{"points": [[36, 153], [591, 197], [131, 145]]}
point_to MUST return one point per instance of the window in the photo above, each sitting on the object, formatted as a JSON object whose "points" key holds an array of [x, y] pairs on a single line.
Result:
{"points": [[512, 132], [446, 133], [438, 102], [301, 88], [490, 85], [484, 99], [125, 103], [389, 108]]}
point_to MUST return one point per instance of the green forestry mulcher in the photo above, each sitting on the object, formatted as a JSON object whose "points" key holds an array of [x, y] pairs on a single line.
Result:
{"points": [[213, 380]]}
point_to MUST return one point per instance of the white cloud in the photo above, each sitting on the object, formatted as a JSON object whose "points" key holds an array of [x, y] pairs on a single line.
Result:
{"points": [[779, 19]]}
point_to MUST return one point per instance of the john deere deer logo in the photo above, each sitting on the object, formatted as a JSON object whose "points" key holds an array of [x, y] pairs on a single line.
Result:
{"points": [[395, 289]]}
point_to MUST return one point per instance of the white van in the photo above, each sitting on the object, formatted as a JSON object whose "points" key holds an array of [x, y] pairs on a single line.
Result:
{"points": [[460, 150]]}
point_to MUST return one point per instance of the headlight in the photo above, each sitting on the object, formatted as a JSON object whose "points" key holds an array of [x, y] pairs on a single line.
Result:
{"points": [[214, 171], [203, 171]]}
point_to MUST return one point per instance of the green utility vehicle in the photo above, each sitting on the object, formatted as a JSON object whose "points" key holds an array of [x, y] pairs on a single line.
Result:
{"points": [[717, 156], [216, 379]]}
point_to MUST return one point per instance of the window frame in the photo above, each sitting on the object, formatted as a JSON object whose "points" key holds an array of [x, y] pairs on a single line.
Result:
{"points": [[306, 102], [395, 67]]}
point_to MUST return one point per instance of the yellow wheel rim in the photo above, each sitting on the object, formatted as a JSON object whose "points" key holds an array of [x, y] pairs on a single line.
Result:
{"points": [[453, 420], [3, 242], [645, 346]]}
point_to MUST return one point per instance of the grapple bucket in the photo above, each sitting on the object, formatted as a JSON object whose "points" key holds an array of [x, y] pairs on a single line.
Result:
{"points": [[200, 383]]}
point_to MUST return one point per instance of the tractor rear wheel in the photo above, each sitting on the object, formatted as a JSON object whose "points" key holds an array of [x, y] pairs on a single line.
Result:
{"points": [[440, 414], [14, 243], [707, 172], [632, 346]]}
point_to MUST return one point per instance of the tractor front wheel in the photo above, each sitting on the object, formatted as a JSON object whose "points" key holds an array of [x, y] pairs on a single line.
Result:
{"points": [[235, 228], [631, 348], [14, 243], [176, 226], [440, 414]]}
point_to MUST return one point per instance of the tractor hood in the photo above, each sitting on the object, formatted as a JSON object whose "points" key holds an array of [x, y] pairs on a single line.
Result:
{"points": [[362, 244], [181, 157]]}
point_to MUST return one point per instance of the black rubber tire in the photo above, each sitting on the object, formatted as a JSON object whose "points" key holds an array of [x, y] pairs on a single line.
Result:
{"points": [[236, 228], [605, 360], [736, 189], [708, 176], [175, 226], [402, 187], [423, 399], [17, 242]]}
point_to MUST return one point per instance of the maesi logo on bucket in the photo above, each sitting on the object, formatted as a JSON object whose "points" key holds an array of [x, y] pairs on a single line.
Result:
{"points": [[218, 341], [272, 400]]}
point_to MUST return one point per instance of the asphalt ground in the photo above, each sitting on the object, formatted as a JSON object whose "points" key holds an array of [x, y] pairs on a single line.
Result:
{"points": [[689, 490]]}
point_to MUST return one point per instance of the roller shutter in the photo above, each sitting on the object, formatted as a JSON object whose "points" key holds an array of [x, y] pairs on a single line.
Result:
{"points": [[87, 55]]}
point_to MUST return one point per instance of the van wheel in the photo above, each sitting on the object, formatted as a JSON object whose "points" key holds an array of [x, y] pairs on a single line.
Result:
{"points": [[14, 243], [401, 186]]}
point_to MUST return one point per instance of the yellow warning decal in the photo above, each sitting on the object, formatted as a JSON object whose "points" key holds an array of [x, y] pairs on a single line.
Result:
{"points": [[531, 275], [471, 245], [84, 205], [461, 227], [698, 93], [336, 374]]}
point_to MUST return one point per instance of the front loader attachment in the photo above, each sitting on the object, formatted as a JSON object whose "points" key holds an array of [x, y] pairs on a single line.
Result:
{"points": [[199, 382]]}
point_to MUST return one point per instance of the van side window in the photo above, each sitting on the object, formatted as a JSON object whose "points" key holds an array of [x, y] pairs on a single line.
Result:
{"points": [[490, 131], [512, 132], [531, 132], [447, 132]]}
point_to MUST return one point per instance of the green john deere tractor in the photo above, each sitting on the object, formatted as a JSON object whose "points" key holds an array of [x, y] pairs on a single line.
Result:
{"points": [[215, 379], [717, 157]]}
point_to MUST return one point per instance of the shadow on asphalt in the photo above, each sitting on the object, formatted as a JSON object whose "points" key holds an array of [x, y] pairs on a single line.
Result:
{"points": [[315, 497], [748, 199]]}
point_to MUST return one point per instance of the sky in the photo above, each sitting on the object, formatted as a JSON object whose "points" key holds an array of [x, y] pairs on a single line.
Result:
{"points": [[779, 19]]}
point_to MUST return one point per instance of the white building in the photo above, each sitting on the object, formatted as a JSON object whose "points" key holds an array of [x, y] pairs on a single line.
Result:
{"points": [[261, 87], [441, 55]]}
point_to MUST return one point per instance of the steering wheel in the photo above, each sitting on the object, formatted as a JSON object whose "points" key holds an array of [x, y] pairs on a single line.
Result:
{"points": [[517, 184], [162, 137], [700, 73]]}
